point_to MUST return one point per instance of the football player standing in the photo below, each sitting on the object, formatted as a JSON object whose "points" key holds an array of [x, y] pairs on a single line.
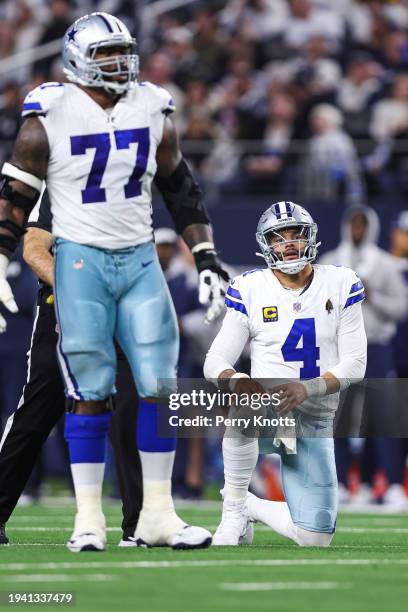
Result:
{"points": [[98, 142], [304, 323]]}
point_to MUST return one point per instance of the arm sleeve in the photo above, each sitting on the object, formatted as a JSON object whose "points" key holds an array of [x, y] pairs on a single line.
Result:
{"points": [[228, 344], [352, 347]]}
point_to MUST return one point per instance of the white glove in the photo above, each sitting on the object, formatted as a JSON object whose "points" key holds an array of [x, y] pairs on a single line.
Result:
{"points": [[6, 294], [212, 293]]}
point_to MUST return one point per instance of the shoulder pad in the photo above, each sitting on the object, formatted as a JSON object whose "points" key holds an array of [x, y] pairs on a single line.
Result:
{"points": [[40, 100], [159, 98], [252, 271]]}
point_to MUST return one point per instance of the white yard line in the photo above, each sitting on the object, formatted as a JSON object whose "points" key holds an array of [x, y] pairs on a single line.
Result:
{"points": [[51, 565], [55, 528], [57, 578], [34, 544], [284, 586], [213, 527]]}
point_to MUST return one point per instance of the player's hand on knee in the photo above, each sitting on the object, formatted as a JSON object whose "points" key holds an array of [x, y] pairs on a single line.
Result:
{"points": [[6, 294], [212, 288], [291, 395]]}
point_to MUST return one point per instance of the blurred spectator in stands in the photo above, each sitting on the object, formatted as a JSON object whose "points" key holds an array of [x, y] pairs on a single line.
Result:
{"points": [[315, 73], [59, 22], [200, 132], [390, 116], [331, 168], [196, 100], [256, 20], [159, 69], [264, 173], [312, 76], [180, 50], [308, 19], [239, 100], [389, 129], [385, 302], [384, 306], [28, 28], [357, 91], [209, 45], [393, 52], [125, 10], [15, 342], [10, 118], [367, 19], [399, 249], [7, 39]]}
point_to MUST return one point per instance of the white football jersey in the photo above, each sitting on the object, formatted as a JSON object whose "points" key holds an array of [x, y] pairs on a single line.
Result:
{"points": [[294, 335], [102, 163]]}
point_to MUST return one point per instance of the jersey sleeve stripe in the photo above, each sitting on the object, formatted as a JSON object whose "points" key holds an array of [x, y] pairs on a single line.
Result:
{"points": [[31, 106], [233, 299], [236, 306], [234, 293], [356, 287], [356, 292], [354, 299]]}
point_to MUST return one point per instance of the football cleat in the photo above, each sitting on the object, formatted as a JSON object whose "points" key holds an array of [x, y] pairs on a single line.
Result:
{"points": [[127, 542], [3, 536], [86, 542], [190, 537], [165, 528], [235, 528], [89, 533]]}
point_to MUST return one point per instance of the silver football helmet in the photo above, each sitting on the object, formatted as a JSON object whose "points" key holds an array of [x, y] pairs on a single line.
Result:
{"points": [[283, 215], [85, 38]]}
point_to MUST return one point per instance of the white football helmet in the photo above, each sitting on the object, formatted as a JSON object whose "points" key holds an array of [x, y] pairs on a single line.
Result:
{"points": [[82, 41], [283, 215]]}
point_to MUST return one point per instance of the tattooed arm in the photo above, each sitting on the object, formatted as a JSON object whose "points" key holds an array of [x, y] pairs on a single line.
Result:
{"points": [[31, 153]]}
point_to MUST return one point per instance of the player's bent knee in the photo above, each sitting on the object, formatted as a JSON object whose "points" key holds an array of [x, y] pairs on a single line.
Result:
{"points": [[91, 407], [313, 538]]}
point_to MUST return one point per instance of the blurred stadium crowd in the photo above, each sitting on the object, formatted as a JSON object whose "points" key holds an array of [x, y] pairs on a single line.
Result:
{"points": [[285, 99], [306, 96]]}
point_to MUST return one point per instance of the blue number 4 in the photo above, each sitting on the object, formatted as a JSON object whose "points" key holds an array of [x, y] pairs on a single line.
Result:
{"points": [[93, 191], [308, 353]]}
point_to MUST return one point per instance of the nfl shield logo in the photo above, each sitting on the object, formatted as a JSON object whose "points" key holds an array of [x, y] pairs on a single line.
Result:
{"points": [[297, 306], [78, 264]]}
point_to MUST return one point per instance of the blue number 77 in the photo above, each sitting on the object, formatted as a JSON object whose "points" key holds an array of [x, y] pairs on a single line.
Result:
{"points": [[93, 191]]}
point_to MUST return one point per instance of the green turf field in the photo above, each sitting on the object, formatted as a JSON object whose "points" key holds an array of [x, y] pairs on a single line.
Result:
{"points": [[365, 569]]}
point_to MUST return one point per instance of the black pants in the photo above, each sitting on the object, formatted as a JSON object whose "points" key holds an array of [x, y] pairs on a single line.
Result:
{"points": [[43, 404]]}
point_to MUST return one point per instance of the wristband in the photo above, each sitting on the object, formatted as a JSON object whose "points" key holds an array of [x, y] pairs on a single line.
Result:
{"points": [[315, 387], [202, 246], [234, 379]]}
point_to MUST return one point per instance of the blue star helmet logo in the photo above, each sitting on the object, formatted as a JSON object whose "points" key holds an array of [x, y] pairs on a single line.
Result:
{"points": [[71, 34]]}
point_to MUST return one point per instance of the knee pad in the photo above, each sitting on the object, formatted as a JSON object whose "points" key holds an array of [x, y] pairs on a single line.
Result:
{"points": [[312, 538]]}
